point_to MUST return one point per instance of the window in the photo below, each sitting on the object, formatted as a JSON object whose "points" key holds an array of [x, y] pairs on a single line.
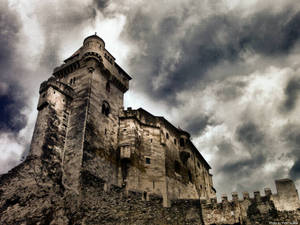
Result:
{"points": [[190, 177], [175, 141], [72, 81], [148, 160], [181, 142], [167, 135], [108, 86], [198, 164], [105, 108]]}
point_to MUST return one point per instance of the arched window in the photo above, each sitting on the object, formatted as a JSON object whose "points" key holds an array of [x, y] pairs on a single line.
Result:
{"points": [[105, 108], [108, 86]]}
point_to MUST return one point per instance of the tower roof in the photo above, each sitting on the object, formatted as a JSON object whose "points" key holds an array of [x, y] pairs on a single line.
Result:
{"points": [[93, 36]]}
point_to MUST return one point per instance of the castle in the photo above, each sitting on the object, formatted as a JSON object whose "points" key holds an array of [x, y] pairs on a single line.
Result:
{"points": [[90, 156]]}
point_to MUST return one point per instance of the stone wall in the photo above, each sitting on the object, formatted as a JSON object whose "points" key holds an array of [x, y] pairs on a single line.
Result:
{"points": [[287, 197], [256, 210]]}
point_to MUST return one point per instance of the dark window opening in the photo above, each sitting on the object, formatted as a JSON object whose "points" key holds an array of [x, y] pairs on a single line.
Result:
{"points": [[190, 177], [167, 135], [145, 195], [198, 164], [105, 108], [174, 141], [177, 166], [108, 86], [105, 131], [148, 160], [151, 140], [72, 81], [181, 142]]}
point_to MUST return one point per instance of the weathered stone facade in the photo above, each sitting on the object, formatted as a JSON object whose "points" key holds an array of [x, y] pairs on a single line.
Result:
{"points": [[92, 162]]}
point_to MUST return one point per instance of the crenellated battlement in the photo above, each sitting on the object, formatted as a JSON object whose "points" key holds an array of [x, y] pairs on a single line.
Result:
{"points": [[236, 210], [257, 197]]}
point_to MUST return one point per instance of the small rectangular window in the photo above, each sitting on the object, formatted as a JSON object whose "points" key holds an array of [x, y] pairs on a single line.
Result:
{"points": [[148, 160]]}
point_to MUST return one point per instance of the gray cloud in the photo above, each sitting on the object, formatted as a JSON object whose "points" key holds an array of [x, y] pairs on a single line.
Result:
{"points": [[101, 4], [197, 125], [203, 46], [292, 92], [11, 99], [249, 134]]}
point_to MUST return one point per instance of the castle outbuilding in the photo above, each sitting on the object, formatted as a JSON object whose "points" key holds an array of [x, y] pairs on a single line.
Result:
{"points": [[93, 162]]}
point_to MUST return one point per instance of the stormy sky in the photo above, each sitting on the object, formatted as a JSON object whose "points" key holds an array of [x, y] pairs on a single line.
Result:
{"points": [[227, 71]]}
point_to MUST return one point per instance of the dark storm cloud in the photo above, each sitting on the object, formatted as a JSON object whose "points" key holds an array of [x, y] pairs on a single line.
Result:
{"points": [[101, 4], [292, 92], [9, 28], [204, 45], [295, 170], [253, 158], [245, 166], [249, 134], [11, 102], [196, 126], [271, 34], [11, 105]]}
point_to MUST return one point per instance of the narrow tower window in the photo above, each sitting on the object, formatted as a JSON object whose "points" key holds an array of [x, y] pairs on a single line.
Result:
{"points": [[148, 160], [105, 108]]}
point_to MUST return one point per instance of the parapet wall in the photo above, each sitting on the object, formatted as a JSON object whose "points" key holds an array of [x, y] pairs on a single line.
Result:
{"points": [[261, 209]]}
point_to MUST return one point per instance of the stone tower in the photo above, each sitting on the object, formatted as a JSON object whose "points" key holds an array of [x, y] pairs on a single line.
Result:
{"points": [[83, 100]]}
